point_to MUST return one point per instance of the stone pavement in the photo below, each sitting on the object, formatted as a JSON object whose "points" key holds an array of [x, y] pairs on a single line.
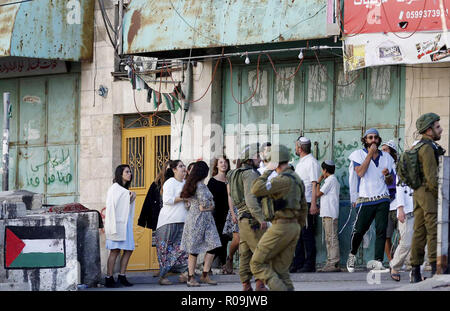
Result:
{"points": [[333, 281]]}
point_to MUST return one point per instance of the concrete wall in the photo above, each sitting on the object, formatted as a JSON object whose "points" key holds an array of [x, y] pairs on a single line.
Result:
{"points": [[427, 90]]}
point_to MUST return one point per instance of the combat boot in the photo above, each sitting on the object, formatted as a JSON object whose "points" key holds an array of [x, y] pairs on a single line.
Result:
{"points": [[247, 287], [433, 268], [415, 276], [260, 287]]}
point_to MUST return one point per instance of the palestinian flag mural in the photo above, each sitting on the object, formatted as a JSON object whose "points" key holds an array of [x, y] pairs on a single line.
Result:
{"points": [[34, 247]]}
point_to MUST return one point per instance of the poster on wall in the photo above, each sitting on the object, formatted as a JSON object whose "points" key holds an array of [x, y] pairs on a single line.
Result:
{"points": [[389, 32], [377, 49]]}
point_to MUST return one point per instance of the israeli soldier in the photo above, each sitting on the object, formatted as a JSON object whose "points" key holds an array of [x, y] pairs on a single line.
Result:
{"points": [[425, 197], [284, 204], [251, 221]]}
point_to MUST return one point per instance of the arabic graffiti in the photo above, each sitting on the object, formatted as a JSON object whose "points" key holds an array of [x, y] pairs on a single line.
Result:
{"points": [[58, 168], [341, 161]]}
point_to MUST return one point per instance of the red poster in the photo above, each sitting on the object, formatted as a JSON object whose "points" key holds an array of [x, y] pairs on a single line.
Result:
{"points": [[372, 16]]}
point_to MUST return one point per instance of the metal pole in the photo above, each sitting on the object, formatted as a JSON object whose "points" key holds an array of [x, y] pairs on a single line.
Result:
{"points": [[5, 162], [120, 29], [442, 259]]}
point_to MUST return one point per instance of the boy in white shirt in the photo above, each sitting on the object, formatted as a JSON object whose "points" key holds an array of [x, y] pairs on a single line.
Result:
{"points": [[329, 212]]}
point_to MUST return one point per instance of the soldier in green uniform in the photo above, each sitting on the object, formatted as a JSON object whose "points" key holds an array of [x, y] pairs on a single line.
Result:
{"points": [[425, 197], [284, 204], [251, 221]]}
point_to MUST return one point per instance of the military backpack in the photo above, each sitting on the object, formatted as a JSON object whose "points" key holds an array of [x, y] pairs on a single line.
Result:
{"points": [[409, 170]]}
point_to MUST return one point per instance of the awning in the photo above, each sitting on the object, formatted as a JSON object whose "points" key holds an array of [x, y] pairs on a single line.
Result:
{"points": [[154, 25], [47, 29]]}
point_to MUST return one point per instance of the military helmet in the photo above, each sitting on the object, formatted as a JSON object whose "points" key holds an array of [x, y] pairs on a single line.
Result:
{"points": [[249, 151], [279, 153], [425, 121]]}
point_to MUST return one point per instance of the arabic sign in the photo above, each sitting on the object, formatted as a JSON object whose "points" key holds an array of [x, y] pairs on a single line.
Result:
{"points": [[11, 67], [367, 50], [374, 16]]}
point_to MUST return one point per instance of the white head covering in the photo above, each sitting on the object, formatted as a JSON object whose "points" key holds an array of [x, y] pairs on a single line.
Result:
{"points": [[303, 141], [391, 143]]}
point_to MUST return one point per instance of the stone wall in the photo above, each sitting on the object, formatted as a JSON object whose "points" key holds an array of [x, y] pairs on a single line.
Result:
{"points": [[427, 90]]}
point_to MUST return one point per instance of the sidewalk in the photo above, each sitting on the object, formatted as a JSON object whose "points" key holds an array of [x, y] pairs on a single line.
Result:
{"points": [[334, 281]]}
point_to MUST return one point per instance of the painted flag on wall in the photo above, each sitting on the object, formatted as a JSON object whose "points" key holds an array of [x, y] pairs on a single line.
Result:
{"points": [[34, 247]]}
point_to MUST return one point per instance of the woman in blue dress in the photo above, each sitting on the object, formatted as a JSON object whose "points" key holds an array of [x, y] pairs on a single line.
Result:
{"points": [[120, 204]]}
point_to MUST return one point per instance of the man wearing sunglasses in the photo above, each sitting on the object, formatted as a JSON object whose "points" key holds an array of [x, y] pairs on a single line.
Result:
{"points": [[373, 168]]}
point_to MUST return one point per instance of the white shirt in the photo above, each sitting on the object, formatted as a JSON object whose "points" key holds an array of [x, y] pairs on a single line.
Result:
{"points": [[372, 184], [308, 169], [404, 198], [172, 212], [329, 201]]}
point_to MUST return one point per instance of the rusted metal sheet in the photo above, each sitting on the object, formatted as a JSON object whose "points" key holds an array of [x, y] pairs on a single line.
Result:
{"points": [[50, 29], [153, 25]]}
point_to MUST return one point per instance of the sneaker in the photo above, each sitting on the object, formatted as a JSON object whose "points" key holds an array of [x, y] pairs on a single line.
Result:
{"points": [[376, 265], [183, 277], [123, 280], [192, 282], [164, 281], [351, 263], [207, 280]]}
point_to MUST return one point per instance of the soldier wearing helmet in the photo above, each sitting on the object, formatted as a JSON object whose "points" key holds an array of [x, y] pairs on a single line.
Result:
{"points": [[285, 194], [251, 221], [425, 197]]}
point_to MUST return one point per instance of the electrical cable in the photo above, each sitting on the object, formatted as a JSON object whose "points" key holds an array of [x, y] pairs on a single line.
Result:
{"points": [[231, 82], [276, 73], [328, 77], [417, 28], [306, 19], [17, 2]]}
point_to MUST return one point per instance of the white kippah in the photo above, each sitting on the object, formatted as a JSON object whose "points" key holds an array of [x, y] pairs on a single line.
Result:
{"points": [[304, 141]]}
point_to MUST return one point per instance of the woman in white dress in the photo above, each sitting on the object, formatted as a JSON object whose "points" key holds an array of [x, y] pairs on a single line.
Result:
{"points": [[119, 224]]}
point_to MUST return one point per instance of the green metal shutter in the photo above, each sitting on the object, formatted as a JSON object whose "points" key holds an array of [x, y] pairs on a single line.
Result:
{"points": [[44, 146], [332, 115]]}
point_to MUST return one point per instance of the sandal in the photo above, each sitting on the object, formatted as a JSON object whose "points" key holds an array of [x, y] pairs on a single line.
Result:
{"points": [[394, 276]]}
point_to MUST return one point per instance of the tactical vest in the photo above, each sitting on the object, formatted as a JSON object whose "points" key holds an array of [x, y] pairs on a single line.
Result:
{"points": [[237, 194], [289, 205]]}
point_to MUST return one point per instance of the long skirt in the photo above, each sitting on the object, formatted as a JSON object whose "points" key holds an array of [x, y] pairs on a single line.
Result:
{"points": [[170, 256]]}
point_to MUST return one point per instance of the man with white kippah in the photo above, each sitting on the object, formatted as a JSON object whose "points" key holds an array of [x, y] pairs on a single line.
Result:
{"points": [[374, 169], [308, 169]]}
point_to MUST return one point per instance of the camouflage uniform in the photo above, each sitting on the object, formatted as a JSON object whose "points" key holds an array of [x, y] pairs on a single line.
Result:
{"points": [[275, 250]]}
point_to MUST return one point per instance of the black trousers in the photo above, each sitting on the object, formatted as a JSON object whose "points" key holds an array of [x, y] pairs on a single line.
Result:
{"points": [[305, 252], [366, 215]]}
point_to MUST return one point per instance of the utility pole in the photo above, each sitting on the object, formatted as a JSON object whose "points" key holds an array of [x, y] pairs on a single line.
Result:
{"points": [[5, 162], [443, 233]]}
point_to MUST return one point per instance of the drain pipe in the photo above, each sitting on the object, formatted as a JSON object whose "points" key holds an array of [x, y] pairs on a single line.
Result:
{"points": [[187, 101], [5, 162]]}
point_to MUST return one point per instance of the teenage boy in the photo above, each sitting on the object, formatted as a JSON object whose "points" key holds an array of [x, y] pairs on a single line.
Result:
{"points": [[329, 212]]}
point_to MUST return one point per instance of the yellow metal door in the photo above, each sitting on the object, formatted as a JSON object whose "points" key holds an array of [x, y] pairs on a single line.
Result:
{"points": [[145, 150]]}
